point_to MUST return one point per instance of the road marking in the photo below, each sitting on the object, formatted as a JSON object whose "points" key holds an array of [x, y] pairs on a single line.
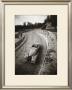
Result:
{"points": [[45, 38]]}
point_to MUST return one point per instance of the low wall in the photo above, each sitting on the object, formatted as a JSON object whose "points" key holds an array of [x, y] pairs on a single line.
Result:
{"points": [[17, 44]]}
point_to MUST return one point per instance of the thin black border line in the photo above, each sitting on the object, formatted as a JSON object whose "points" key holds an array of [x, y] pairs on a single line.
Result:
{"points": [[68, 43], [36, 1]]}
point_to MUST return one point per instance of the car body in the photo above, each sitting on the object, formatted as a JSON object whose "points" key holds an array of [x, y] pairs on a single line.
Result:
{"points": [[34, 52]]}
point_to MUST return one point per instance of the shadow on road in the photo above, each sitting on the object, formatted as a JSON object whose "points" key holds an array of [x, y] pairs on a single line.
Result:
{"points": [[28, 68]]}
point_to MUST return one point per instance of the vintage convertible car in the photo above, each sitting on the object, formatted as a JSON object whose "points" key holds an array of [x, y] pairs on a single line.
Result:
{"points": [[34, 52]]}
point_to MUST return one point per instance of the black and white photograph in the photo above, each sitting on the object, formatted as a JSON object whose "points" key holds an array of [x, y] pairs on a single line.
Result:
{"points": [[35, 44]]}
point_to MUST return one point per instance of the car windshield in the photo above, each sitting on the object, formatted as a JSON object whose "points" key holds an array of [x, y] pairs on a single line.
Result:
{"points": [[35, 45]]}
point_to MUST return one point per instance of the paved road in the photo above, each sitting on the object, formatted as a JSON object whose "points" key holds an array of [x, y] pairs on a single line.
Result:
{"points": [[22, 65]]}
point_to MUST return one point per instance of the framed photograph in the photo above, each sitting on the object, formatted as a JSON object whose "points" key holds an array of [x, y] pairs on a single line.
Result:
{"points": [[35, 44]]}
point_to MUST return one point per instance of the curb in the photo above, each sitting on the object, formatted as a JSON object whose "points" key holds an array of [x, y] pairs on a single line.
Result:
{"points": [[22, 42]]}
